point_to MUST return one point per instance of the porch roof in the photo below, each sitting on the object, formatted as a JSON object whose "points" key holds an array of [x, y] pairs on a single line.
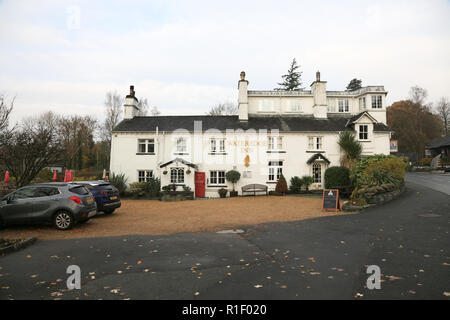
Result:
{"points": [[318, 156], [187, 163]]}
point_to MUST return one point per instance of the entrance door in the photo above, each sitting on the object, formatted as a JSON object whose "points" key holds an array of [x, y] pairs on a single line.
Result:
{"points": [[200, 184]]}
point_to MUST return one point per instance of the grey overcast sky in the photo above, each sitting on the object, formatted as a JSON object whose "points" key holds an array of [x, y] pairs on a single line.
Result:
{"points": [[185, 56]]}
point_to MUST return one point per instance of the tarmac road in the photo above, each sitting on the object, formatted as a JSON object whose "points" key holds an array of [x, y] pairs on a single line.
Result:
{"points": [[324, 258]]}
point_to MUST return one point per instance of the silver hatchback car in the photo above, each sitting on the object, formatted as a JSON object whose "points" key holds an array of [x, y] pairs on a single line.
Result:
{"points": [[60, 204]]}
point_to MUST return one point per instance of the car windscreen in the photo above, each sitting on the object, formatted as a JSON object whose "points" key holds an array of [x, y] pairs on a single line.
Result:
{"points": [[79, 190]]}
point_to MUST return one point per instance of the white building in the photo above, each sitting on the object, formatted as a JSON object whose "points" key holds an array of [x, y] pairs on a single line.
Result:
{"points": [[289, 132]]}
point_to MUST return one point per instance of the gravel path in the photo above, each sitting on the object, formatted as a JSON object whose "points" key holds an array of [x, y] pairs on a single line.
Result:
{"points": [[151, 217]]}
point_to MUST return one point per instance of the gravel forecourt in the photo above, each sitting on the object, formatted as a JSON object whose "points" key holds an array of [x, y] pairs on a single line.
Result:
{"points": [[153, 217]]}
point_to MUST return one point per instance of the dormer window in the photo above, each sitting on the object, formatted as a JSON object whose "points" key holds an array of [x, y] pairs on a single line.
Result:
{"points": [[363, 132]]}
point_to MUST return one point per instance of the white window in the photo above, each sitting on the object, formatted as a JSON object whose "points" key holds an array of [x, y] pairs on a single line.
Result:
{"points": [[317, 172], [275, 170], [363, 132], [217, 145], [146, 146], [343, 105], [176, 175], [315, 143], [266, 105], [181, 145], [362, 103], [145, 175], [275, 143], [217, 177], [295, 106], [377, 102], [331, 105]]}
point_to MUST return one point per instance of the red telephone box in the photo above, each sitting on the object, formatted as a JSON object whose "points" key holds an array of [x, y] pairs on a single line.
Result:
{"points": [[200, 184]]}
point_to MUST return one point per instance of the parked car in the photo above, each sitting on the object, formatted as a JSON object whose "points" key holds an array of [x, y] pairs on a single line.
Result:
{"points": [[105, 194], [62, 204]]}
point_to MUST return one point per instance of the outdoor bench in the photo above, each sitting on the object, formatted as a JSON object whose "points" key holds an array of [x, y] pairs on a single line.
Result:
{"points": [[254, 188]]}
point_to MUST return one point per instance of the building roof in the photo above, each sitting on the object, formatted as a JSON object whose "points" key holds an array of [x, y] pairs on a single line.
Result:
{"points": [[439, 142], [317, 156], [176, 160], [282, 123]]}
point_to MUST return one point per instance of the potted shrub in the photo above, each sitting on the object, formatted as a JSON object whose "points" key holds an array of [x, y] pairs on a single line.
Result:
{"points": [[222, 192], [165, 172], [233, 176], [188, 171]]}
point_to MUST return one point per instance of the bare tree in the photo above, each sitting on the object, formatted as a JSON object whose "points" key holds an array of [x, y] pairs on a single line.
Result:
{"points": [[418, 95], [6, 109], [144, 108], [113, 105], [31, 148], [443, 110], [226, 108]]}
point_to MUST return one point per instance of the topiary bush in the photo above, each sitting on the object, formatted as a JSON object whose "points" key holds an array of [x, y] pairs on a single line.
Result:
{"points": [[233, 176], [281, 186], [296, 185], [337, 177]]}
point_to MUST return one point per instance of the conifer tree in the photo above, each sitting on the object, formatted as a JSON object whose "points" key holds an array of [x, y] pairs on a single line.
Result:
{"points": [[292, 80]]}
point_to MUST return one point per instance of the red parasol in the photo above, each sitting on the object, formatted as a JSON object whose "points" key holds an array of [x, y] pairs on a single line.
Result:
{"points": [[55, 176], [7, 176]]}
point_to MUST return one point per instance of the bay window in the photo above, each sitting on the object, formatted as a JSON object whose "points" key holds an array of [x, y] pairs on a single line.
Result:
{"points": [[177, 175]]}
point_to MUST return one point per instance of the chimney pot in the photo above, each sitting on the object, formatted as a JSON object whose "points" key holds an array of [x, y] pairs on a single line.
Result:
{"points": [[318, 76], [132, 91]]}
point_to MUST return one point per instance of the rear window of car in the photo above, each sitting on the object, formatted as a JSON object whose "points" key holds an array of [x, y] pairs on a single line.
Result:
{"points": [[79, 190]]}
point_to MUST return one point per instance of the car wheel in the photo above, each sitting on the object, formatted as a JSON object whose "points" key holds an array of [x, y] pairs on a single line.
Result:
{"points": [[109, 211], [63, 220]]}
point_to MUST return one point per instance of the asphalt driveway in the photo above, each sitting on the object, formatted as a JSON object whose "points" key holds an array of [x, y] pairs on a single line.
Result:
{"points": [[323, 258]]}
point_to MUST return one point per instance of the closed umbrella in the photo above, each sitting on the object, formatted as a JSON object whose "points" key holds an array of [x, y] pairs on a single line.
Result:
{"points": [[70, 176], [7, 176], [55, 176], [65, 175], [104, 174]]}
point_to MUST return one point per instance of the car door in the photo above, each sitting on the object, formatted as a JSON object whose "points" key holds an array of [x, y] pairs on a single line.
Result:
{"points": [[43, 202], [18, 206]]}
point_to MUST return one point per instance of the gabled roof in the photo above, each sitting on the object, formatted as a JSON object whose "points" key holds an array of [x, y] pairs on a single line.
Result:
{"points": [[222, 123], [187, 163], [317, 156], [439, 142], [358, 116]]}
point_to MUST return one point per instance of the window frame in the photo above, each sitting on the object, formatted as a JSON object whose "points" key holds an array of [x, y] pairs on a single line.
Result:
{"points": [[146, 143], [377, 101], [275, 170], [364, 133], [181, 148], [217, 178], [276, 144], [219, 145], [317, 143], [177, 175], [319, 167], [146, 177], [345, 106]]}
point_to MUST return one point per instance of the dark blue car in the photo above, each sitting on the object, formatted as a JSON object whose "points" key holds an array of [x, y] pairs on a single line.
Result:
{"points": [[106, 195]]}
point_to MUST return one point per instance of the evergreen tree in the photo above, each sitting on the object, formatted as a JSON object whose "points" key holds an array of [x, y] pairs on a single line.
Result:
{"points": [[354, 84], [292, 80]]}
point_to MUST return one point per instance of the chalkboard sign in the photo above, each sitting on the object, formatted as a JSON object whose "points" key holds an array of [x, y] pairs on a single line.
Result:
{"points": [[330, 199]]}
